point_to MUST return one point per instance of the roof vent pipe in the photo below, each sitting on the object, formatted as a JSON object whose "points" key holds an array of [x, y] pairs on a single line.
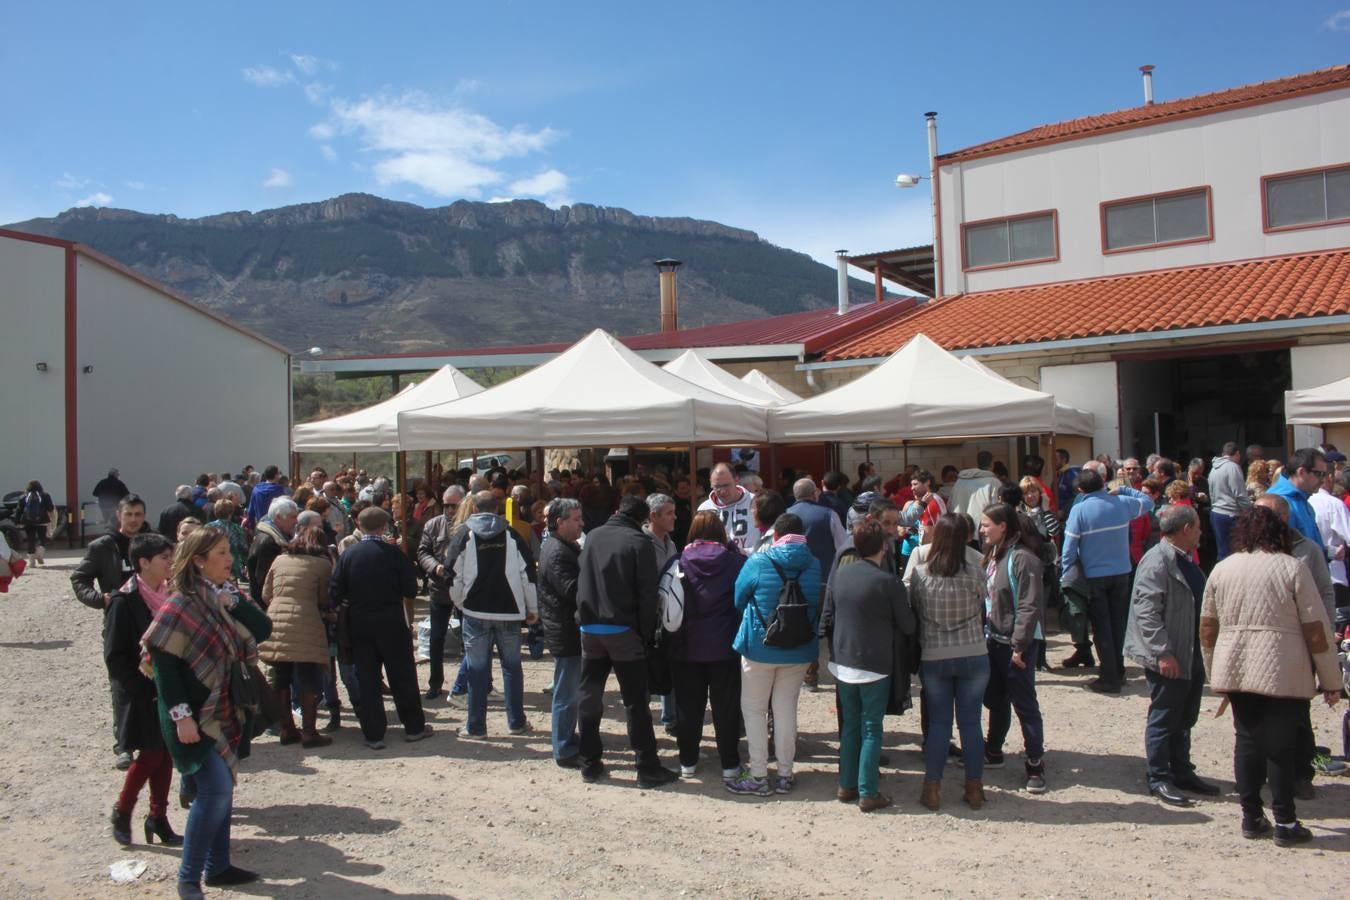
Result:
{"points": [[931, 117], [841, 259], [1148, 84], [670, 301]]}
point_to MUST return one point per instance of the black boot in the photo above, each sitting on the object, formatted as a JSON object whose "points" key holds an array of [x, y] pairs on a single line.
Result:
{"points": [[334, 717], [1082, 656], [1042, 657], [121, 825], [158, 827]]}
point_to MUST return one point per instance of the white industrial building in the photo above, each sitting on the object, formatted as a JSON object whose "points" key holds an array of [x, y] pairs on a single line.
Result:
{"points": [[103, 368]]}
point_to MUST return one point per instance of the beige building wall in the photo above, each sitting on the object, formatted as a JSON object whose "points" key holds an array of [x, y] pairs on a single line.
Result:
{"points": [[32, 331]]}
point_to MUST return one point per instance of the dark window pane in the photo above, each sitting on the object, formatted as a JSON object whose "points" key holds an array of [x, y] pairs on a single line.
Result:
{"points": [[1033, 238], [1182, 216], [1295, 200], [1130, 224], [987, 245], [1338, 194]]}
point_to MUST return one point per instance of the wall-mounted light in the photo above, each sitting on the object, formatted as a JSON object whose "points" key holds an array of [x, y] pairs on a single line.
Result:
{"points": [[41, 367], [88, 370]]}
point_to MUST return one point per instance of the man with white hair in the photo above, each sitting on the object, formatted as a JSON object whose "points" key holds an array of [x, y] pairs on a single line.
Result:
{"points": [[181, 508], [825, 536], [269, 540], [732, 502], [431, 551]]}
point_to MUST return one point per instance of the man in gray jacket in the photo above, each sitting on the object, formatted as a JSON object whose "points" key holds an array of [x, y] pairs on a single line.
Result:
{"points": [[1227, 494], [1163, 636]]}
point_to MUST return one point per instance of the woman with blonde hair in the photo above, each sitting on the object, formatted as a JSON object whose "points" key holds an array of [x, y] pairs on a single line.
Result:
{"points": [[1258, 478], [201, 645]]}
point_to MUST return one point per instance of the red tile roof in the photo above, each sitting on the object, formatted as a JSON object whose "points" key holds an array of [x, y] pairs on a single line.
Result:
{"points": [[1263, 290], [814, 329], [1139, 116]]}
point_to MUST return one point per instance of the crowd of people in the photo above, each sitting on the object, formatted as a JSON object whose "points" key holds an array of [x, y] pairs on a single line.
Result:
{"points": [[727, 600]]}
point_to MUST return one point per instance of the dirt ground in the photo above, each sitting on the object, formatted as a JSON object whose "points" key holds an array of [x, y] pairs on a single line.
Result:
{"points": [[497, 818]]}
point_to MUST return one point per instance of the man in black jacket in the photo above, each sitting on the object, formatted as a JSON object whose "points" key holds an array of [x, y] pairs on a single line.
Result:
{"points": [[107, 492], [181, 508], [270, 539], [431, 555], [374, 578], [559, 568], [105, 568], [617, 612]]}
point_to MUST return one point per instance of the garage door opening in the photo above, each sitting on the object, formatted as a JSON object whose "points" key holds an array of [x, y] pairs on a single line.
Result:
{"points": [[1189, 406]]}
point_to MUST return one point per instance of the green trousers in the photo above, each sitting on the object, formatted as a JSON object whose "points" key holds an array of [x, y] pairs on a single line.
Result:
{"points": [[862, 707]]}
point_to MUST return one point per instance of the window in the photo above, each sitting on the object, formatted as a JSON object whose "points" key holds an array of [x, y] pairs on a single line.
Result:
{"points": [[1304, 199], [1011, 241], [1177, 217]]}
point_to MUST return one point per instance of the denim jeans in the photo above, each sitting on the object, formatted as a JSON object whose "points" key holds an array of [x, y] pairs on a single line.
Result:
{"points": [[960, 682], [862, 707], [461, 685], [1173, 709], [1013, 688], [566, 697], [1108, 610], [478, 637], [1223, 530], [206, 839]]}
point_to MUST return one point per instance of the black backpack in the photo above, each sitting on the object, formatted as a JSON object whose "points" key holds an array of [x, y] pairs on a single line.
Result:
{"points": [[790, 626], [34, 510]]}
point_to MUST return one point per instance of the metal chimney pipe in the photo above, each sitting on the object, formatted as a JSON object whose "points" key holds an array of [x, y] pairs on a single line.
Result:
{"points": [[1148, 84], [933, 192], [841, 260], [670, 302]]}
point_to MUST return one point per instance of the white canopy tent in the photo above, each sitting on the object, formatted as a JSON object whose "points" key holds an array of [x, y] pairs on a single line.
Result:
{"points": [[921, 393], [1068, 419], [598, 393], [375, 428], [693, 368], [757, 379], [1323, 405]]}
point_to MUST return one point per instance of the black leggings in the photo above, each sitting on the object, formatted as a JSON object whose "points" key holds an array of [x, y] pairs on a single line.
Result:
{"points": [[698, 684], [1266, 749], [35, 536]]}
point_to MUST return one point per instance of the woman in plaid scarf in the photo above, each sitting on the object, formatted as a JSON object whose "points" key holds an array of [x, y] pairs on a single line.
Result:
{"points": [[204, 627]]}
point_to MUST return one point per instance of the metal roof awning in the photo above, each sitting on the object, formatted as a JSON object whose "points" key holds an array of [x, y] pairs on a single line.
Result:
{"points": [[911, 267]]}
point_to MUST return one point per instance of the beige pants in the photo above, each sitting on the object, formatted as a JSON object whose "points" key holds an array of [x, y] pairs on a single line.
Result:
{"points": [[763, 684]]}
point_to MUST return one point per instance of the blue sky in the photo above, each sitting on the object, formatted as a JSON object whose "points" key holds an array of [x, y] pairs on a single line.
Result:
{"points": [[791, 119]]}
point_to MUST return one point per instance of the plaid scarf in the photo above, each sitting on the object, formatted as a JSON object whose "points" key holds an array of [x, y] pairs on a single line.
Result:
{"points": [[196, 628]]}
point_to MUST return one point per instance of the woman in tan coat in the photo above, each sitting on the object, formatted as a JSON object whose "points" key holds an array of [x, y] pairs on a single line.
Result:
{"points": [[1268, 647], [296, 594]]}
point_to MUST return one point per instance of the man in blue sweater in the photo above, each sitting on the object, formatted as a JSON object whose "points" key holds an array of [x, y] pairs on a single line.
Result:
{"points": [[1302, 476], [1097, 539]]}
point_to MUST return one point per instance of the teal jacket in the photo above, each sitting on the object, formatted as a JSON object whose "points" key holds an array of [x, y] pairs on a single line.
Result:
{"points": [[759, 584]]}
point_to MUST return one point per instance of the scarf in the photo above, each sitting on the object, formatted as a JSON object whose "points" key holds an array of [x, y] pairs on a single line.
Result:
{"points": [[196, 628], [154, 599]]}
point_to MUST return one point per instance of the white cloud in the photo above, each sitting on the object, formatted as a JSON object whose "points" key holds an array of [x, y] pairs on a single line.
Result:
{"points": [[277, 178], [445, 150], [97, 198], [136, 185], [305, 63], [1338, 21], [467, 86], [328, 153], [69, 182], [266, 76], [316, 92], [549, 186]]}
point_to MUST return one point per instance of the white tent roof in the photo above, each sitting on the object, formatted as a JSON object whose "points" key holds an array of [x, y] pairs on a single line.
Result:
{"points": [[598, 393], [1068, 419], [921, 392], [375, 428], [697, 370], [757, 379], [1319, 405]]}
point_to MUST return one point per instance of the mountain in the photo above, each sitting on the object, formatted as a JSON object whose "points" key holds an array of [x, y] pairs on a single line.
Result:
{"points": [[359, 273]]}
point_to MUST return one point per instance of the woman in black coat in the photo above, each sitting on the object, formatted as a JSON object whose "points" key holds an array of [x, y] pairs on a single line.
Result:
{"points": [[130, 611]]}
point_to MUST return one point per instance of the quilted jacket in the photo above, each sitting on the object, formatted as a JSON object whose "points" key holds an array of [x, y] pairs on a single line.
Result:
{"points": [[1263, 629], [296, 593]]}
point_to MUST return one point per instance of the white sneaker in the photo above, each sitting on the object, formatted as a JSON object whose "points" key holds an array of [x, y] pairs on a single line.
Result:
{"points": [[688, 771], [728, 774], [41, 555], [458, 701]]}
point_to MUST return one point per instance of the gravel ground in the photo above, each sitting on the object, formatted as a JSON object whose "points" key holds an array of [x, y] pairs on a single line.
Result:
{"points": [[493, 818]]}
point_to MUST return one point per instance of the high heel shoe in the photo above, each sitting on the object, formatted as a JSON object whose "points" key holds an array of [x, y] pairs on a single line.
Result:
{"points": [[158, 827], [121, 826]]}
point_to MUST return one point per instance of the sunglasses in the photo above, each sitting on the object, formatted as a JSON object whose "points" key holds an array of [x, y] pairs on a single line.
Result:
{"points": [[1320, 473], [452, 506]]}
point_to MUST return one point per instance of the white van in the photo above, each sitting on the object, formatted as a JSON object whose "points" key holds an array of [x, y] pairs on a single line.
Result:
{"points": [[487, 461]]}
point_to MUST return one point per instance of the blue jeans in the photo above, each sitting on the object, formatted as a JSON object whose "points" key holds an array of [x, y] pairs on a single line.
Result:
{"points": [[962, 682], [461, 685], [566, 697], [206, 839], [1173, 710], [669, 712], [1223, 530], [478, 637], [862, 707]]}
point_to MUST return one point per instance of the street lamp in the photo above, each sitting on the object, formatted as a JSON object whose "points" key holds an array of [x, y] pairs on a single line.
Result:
{"points": [[908, 181]]}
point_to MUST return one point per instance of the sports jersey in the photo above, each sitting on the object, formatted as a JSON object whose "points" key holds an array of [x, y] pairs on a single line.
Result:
{"points": [[737, 517]]}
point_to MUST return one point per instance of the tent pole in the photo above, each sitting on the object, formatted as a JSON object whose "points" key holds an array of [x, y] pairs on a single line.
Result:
{"points": [[693, 471], [539, 473], [773, 468], [426, 479], [905, 445]]}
